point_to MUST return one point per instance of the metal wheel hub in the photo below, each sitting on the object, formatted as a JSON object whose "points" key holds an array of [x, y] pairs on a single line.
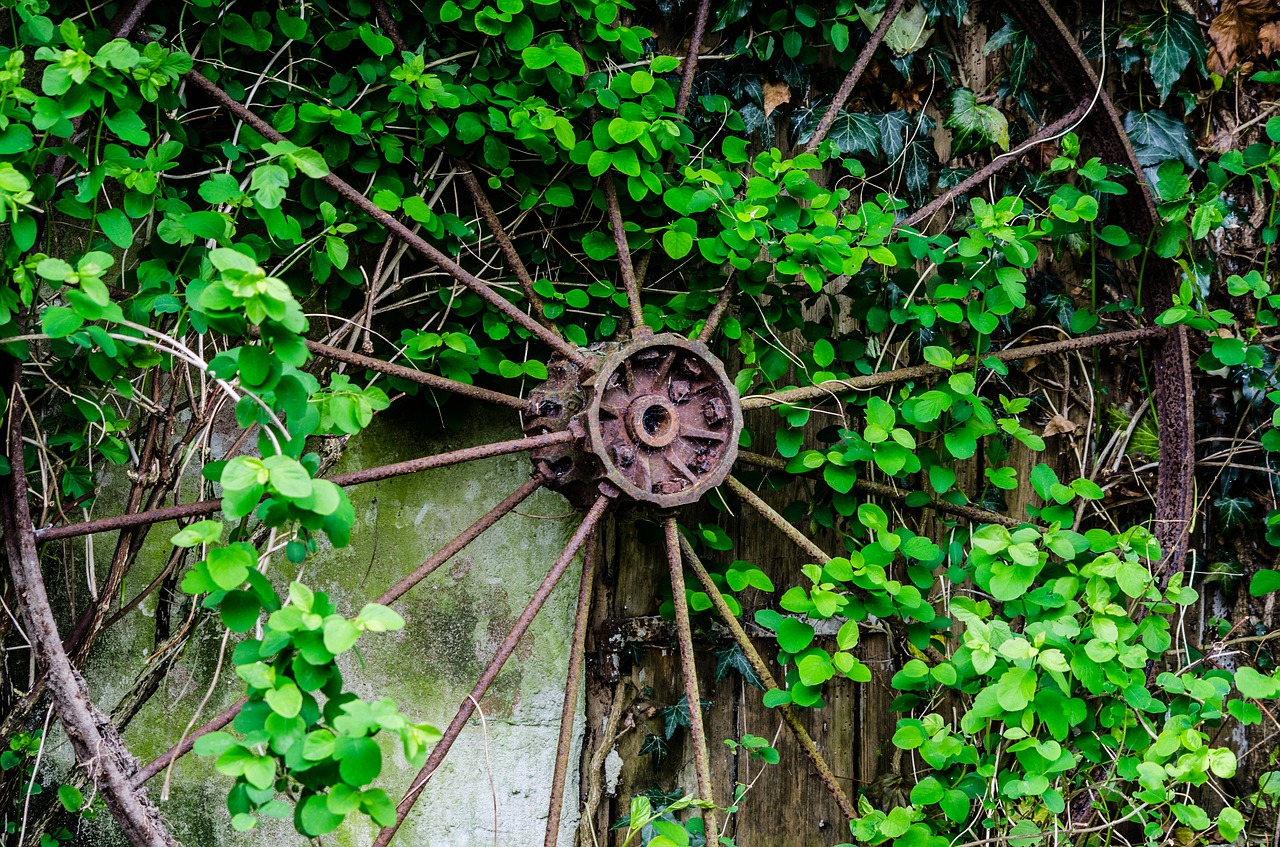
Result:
{"points": [[658, 421]]}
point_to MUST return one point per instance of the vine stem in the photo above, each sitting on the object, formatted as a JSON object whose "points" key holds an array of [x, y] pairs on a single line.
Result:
{"points": [[448, 265], [375, 474], [505, 650], [689, 670], [758, 665], [862, 383], [855, 73], [98, 746]]}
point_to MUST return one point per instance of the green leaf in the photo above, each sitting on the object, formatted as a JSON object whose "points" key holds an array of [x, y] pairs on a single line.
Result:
{"points": [[239, 610], [229, 566], [314, 817], [1264, 582], [59, 321], [1256, 686], [288, 477], [17, 138], [975, 126], [359, 760], [955, 805], [376, 618], [677, 243], [1016, 688], [340, 634], [200, 532], [1157, 138], [794, 635], [70, 797], [285, 701]]}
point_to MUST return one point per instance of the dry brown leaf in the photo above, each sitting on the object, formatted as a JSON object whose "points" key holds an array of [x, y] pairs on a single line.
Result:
{"points": [[1269, 39], [910, 99], [1057, 425], [775, 94], [1235, 33]]}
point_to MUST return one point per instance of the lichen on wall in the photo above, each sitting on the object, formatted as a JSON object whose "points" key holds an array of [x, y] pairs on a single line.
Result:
{"points": [[495, 784]]}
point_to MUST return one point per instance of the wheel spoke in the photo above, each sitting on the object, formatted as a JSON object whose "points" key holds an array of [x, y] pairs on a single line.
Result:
{"points": [[691, 64], [758, 664], [879, 489], [456, 546], [205, 507], [771, 515], [689, 670], [508, 646], [572, 686], [188, 742], [624, 257], [407, 235], [836, 387], [718, 312], [508, 249], [475, 392]]}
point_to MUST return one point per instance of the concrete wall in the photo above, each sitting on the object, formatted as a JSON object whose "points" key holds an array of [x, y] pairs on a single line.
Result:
{"points": [[456, 618]]}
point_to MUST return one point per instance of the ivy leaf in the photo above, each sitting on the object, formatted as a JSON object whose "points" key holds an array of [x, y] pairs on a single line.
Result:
{"points": [[855, 133], [975, 126], [1021, 51], [731, 658], [1157, 138], [1175, 40]]}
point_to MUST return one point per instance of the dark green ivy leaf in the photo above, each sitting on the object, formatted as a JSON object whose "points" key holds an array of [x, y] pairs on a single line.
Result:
{"points": [[855, 133], [676, 716], [1174, 42], [731, 658], [1158, 138], [1021, 51]]}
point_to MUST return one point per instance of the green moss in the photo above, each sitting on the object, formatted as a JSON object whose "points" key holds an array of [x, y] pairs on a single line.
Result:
{"points": [[456, 619]]}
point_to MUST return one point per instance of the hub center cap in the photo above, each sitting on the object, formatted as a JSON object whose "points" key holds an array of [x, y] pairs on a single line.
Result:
{"points": [[659, 416]]}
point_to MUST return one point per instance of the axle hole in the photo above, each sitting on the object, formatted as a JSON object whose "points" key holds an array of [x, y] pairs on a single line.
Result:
{"points": [[655, 419]]}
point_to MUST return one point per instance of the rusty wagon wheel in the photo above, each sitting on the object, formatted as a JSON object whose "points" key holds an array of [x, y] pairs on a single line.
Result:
{"points": [[653, 423]]}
